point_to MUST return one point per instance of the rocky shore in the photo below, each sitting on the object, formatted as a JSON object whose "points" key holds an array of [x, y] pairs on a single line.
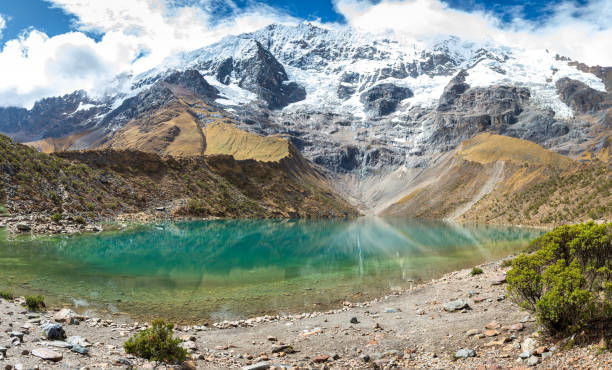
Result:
{"points": [[457, 321]]}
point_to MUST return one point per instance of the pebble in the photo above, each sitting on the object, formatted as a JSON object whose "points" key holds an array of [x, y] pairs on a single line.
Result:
{"points": [[465, 353], [80, 350], [529, 345], [471, 332], [533, 361], [354, 320], [456, 305], [320, 359], [364, 358], [493, 325]]}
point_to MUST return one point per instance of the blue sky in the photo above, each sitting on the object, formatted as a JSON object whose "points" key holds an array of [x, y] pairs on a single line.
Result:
{"points": [[39, 14]]}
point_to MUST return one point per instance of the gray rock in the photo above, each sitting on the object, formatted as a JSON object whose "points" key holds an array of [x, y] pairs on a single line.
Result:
{"points": [[529, 345], [456, 305], [365, 358], [47, 354], [354, 320], [383, 99], [79, 349], [16, 334], [57, 344], [525, 355], [76, 340], [465, 353], [54, 331], [263, 365], [24, 227], [533, 361]]}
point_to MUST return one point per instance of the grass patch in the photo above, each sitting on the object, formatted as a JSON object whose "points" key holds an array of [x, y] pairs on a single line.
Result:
{"points": [[476, 271], [35, 303], [7, 295]]}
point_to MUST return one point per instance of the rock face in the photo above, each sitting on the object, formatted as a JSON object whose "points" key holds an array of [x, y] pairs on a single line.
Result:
{"points": [[383, 99], [580, 97], [55, 117]]}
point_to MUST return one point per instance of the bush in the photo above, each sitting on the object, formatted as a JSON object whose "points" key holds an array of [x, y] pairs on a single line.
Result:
{"points": [[56, 217], [506, 263], [566, 279], [35, 303], [7, 295], [156, 344], [476, 271]]}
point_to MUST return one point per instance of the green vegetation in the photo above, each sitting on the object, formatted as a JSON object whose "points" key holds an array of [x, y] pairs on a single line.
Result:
{"points": [[156, 344], [35, 303], [6, 295], [476, 271], [80, 220], [566, 278], [57, 217]]}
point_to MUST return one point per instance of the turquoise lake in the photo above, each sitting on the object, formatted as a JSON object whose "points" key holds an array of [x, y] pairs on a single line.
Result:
{"points": [[228, 269]]}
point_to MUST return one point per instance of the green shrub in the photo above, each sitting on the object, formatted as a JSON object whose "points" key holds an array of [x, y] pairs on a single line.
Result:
{"points": [[476, 271], [566, 278], [56, 217], [35, 303], [156, 344], [7, 295], [80, 220]]}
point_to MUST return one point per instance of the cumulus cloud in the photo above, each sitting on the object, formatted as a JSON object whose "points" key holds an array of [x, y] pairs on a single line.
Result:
{"points": [[2, 24], [581, 32], [135, 36]]}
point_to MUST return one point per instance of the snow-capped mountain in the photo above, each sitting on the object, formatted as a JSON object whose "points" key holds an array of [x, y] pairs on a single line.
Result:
{"points": [[356, 104]]}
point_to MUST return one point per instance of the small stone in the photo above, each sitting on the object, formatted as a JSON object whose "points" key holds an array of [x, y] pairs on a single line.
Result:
{"points": [[465, 353], [47, 354], [354, 320], [272, 339], [529, 345], [24, 227], [491, 333], [457, 305], [320, 359], [263, 365], [499, 279], [471, 332], [76, 340], [525, 355], [546, 355], [335, 356], [80, 350], [124, 361], [541, 350], [533, 361], [190, 346], [54, 331], [189, 365], [517, 327], [16, 334], [283, 348], [420, 311], [66, 316], [493, 325], [364, 358]]}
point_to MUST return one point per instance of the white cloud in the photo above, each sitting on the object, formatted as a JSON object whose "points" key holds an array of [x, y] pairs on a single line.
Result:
{"points": [[582, 33], [136, 36], [2, 24]]}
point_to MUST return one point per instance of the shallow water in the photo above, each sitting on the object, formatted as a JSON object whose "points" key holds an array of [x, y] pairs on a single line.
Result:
{"points": [[228, 269]]}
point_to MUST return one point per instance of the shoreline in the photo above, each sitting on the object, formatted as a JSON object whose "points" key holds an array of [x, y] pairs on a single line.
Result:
{"points": [[410, 329]]}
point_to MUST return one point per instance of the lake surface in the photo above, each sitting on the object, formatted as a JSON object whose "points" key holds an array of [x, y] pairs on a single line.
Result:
{"points": [[229, 269]]}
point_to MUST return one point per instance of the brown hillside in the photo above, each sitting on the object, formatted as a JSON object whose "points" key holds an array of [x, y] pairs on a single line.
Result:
{"points": [[498, 179]]}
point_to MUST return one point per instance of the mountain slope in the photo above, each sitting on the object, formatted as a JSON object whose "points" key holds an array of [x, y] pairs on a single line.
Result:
{"points": [[498, 179], [105, 183]]}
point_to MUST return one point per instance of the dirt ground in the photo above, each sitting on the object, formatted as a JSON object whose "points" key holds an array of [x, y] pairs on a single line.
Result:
{"points": [[410, 329]]}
